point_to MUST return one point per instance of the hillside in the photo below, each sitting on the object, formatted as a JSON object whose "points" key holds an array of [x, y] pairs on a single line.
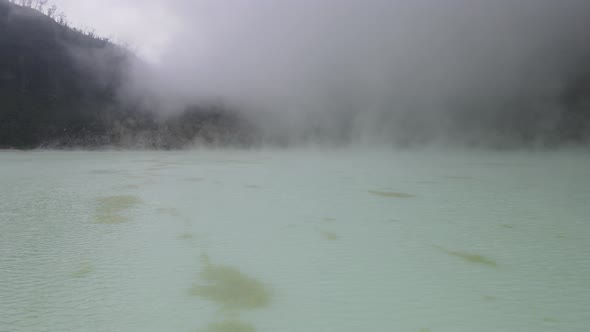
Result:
{"points": [[59, 88]]}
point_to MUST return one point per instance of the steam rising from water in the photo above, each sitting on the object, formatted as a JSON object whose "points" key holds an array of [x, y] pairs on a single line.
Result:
{"points": [[373, 71]]}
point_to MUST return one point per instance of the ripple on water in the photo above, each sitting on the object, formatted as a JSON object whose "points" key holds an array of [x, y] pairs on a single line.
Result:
{"points": [[194, 179], [230, 288], [117, 203], [111, 219], [457, 177], [130, 187], [173, 212], [238, 162], [104, 171], [391, 194], [229, 326]]}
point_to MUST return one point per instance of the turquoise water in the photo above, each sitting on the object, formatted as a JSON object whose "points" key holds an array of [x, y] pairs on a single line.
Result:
{"points": [[295, 240]]}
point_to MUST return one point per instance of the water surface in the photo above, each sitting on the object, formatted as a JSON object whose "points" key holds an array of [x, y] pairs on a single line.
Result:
{"points": [[294, 240]]}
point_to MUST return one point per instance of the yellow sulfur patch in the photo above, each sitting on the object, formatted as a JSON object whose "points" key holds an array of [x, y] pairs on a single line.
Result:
{"points": [[329, 235], [110, 208], [230, 288], [84, 270], [468, 257], [115, 204], [185, 236]]}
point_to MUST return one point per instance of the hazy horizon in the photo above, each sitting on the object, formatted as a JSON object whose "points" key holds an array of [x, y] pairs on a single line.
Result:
{"points": [[366, 71], [370, 72]]}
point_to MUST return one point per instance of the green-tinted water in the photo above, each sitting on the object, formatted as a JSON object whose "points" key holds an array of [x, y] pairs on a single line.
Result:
{"points": [[294, 240]]}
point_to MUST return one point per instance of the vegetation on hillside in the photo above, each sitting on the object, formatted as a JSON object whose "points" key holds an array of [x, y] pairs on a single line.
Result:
{"points": [[59, 87]]}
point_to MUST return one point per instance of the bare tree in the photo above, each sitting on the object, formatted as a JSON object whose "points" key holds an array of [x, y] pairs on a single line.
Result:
{"points": [[51, 11], [62, 19], [41, 4], [90, 32]]}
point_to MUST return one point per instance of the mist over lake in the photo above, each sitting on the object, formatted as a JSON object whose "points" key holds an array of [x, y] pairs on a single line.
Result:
{"points": [[294, 165]]}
